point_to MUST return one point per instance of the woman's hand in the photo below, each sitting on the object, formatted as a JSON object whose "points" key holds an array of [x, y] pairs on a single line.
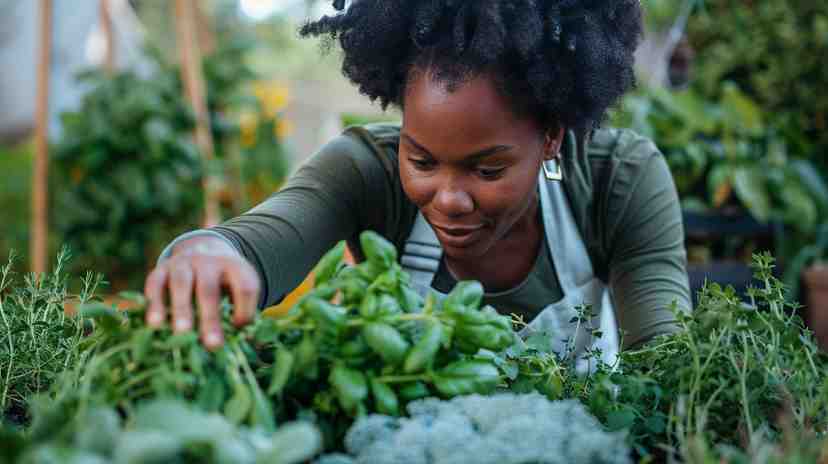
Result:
{"points": [[208, 265]]}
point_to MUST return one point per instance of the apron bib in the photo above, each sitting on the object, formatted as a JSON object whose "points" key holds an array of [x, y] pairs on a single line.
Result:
{"points": [[421, 259]]}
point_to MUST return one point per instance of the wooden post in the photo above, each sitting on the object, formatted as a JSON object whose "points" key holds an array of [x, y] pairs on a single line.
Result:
{"points": [[193, 79], [38, 246], [232, 190], [204, 29], [105, 14]]}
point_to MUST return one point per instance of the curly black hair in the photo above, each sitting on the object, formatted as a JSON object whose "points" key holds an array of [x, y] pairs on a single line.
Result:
{"points": [[563, 62]]}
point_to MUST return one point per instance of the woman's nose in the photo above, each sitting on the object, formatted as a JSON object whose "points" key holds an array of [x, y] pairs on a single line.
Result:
{"points": [[452, 201]]}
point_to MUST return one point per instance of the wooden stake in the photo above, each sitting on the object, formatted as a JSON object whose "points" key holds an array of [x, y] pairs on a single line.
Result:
{"points": [[193, 79], [204, 28], [40, 207], [105, 14]]}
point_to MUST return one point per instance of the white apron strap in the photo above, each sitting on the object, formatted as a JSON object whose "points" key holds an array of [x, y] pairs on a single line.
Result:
{"points": [[421, 255], [569, 253], [578, 282]]}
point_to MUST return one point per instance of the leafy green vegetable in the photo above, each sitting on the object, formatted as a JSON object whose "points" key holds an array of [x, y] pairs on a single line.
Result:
{"points": [[38, 340], [161, 430], [323, 359]]}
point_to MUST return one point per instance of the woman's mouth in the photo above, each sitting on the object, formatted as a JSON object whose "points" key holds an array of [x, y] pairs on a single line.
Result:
{"points": [[457, 237]]}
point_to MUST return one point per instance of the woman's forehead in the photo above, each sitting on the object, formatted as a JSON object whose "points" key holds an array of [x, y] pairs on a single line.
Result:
{"points": [[472, 113]]}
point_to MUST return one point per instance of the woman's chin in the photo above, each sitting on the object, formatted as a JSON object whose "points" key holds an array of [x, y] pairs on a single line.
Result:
{"points": [[466, 252]]}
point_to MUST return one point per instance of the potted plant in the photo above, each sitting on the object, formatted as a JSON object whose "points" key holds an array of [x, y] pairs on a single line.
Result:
{"points": [[810, 266]]}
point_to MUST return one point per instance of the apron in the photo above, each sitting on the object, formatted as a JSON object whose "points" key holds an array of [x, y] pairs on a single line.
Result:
{"points": [[421, 259]]}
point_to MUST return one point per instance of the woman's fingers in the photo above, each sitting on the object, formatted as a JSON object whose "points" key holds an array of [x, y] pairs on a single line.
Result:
{"points": [[205, 275], [208, 292], [244, 289], [154, 290], [181, 296]]}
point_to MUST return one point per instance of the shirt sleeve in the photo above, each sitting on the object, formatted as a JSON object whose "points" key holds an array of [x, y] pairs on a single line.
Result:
{"points": [[647, 259], [339, 191], [167, 251]]}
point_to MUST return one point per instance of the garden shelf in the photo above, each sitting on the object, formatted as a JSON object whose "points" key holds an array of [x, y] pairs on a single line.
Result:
{"points": [[711, 228], [717, 224]]}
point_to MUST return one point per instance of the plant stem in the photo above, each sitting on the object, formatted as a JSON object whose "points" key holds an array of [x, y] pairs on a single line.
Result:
{"points": [[8, 332], [649, 349], [138, 379], [742, 370], [403, 378]]}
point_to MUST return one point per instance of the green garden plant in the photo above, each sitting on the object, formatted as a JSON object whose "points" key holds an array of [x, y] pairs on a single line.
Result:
{"points": [[361, 342], [38, 341], [130, 174], [723, 381], [741, 381], [163, 430], [15, 196], [774, 52], [724, 152]]}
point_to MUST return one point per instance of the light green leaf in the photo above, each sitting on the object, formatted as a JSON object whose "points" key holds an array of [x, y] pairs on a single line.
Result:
{"points": [[178, 420], [750, 188], [292, 443], [99, 431], [466, 377], [741, 112], [135, 297], [239, 405], [810, 179], [799, 208], [104, 315], [146, 446]]}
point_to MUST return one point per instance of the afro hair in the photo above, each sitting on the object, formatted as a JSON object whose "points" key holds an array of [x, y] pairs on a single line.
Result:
{"points": [[563, 62]]}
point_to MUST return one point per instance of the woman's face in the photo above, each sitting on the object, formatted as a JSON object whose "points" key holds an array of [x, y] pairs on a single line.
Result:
{"points": [[469, 164]]}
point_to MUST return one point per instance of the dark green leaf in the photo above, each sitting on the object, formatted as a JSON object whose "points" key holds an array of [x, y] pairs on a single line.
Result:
{"points": [[618, 420]]}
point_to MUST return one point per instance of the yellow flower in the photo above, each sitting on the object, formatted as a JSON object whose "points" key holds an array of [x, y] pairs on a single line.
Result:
{"points": [[272, 95], [248, 122], [283, 128]]}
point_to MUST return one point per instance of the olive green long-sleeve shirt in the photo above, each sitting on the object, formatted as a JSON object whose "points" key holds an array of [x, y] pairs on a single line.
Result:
{"points": [[621, 193]]}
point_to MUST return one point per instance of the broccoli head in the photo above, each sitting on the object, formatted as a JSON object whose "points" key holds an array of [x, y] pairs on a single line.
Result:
{"points": [[500, 429]]}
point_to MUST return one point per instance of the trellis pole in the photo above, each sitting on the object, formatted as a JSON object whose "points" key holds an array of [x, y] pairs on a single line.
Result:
{"points": [[105, 13], [193, 78], [40, 208]]}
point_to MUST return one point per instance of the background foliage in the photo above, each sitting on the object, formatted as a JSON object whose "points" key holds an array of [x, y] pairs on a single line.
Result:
{"points": [[16, 166], [774, 51], [748, 133], [129, 175], [129, 171]]}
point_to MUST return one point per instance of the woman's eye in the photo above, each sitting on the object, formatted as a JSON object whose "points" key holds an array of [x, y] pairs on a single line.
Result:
{"points": [[490, 173], [422, 164]]}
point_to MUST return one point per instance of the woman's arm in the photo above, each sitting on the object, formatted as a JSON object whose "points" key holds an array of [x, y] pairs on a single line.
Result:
{"points": [[648, 261], [266, 252], [335, 194]]}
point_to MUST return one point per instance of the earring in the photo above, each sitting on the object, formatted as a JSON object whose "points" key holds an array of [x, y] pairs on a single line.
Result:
{"points": [[556, 172]]}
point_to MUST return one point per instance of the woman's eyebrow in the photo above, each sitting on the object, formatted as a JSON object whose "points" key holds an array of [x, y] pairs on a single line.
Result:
{"points": [[468, 158]]}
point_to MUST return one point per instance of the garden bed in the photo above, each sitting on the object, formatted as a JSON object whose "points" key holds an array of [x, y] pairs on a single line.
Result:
{"points": [[384, 376]]}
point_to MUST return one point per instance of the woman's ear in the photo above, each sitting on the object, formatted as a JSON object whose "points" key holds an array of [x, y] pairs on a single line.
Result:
{"points": [[552, 143]]}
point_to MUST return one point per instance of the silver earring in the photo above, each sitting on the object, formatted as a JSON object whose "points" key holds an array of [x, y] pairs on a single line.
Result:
{"points": [[555, 173]]}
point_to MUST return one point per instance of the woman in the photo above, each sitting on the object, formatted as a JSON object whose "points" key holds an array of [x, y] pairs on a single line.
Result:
{"points": [[498, 173]]}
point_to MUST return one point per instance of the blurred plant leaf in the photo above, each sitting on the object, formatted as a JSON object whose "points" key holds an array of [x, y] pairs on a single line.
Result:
{"points": [[749, 186]]}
